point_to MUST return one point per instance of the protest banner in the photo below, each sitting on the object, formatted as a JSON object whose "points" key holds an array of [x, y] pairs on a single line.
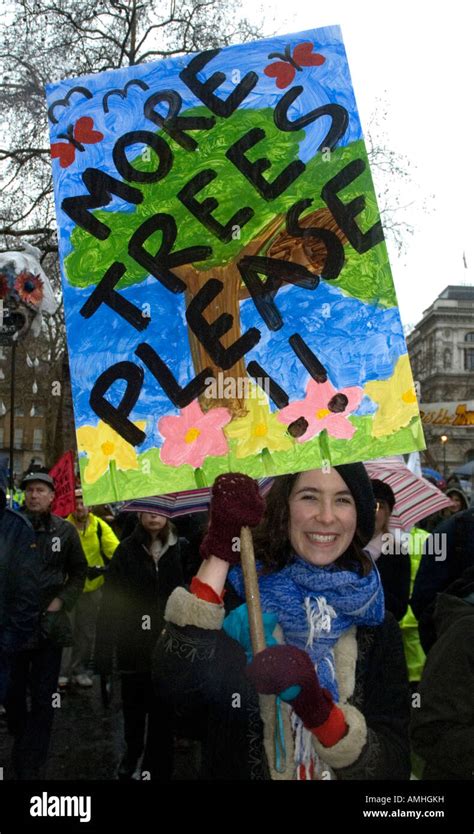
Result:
{"points": [[229, 301], [64, 485]]}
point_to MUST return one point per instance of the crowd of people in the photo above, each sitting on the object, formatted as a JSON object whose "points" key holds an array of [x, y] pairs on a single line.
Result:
{"points": [[352, 632]]}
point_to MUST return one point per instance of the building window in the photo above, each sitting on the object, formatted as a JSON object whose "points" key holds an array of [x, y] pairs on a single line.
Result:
{"points": [[2, 433], [19, 411], [469, 455], [37, 440], [469, 359], [469, 353], [18, 439]]}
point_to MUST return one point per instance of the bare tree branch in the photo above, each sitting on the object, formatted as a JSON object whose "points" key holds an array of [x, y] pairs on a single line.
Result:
{"points": [[7, 230]]}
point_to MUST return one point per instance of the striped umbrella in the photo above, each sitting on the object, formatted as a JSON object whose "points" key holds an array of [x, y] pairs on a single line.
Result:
{"points": [[415, 497], [181, 503]]}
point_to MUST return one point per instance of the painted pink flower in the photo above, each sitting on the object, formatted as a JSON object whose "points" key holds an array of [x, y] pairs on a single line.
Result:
{"points": [[324, 407], [194, 435]]}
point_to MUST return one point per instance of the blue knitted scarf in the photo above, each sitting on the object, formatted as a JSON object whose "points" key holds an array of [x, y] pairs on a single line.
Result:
{"points": [[316, 605]]}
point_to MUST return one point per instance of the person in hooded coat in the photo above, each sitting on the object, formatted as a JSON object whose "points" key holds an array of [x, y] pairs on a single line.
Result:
{"points": [[442, 726], [459, 499]]}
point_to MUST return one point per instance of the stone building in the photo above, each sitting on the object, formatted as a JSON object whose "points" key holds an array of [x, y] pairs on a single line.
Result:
{"points": [[441, 349], [43, 422]]}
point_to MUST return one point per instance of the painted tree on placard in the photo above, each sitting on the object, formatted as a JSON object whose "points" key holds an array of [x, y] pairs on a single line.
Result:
{"points": [[263, 234]]}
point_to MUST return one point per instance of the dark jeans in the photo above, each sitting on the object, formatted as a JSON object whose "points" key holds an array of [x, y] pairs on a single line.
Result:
{"points": [[36, 671], [138, 702]]}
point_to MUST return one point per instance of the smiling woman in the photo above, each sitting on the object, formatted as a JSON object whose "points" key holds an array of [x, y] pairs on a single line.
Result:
{"points": [[334, 659], [323, 517]]}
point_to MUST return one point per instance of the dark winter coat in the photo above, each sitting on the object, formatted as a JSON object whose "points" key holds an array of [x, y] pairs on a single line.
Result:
{"points": [[442, 729], [63, 570], [63, 564], [133, 603], [200, 669], [435, 574], [19, 581], [394, 572]]}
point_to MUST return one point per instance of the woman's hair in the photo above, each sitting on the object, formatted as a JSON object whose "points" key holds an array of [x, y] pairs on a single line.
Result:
{"points": [[383, 492], [271, 537]]}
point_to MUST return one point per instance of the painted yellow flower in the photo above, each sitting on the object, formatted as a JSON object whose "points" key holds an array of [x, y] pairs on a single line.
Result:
{"points": [[259, 429], [104, 445], [396, 399]]}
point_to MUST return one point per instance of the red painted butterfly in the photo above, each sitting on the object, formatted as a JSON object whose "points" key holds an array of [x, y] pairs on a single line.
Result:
{"points": [[82, 132], [285, 70]]}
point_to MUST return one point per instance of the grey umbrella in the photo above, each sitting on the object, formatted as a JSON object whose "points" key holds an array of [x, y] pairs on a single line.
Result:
{"points": [[466, 469]]}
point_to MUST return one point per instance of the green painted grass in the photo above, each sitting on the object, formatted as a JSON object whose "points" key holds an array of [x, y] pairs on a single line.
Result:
{"points": [[155, 478]]}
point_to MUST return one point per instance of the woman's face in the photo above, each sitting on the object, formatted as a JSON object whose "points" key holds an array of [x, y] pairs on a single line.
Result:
{"points": [[323, 517], [458, 504], [153, 523]]}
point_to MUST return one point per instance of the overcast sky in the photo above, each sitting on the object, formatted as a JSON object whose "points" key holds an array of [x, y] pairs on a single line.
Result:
{"points": [[417, 57]]}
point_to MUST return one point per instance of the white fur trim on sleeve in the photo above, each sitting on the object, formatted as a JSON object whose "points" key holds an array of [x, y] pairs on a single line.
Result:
{"points": [[345, 658], [349, 748], [184, 609]]}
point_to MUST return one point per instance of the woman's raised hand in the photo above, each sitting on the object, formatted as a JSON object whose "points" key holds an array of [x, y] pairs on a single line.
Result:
{"points": [[235, 503]]}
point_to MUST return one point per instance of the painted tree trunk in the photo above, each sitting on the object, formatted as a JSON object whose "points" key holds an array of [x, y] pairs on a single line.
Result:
{"points": [[226, 302], [273, 243]]}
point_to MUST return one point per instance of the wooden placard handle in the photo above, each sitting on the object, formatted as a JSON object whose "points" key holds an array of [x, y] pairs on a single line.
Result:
{"points": [[252, 592]]}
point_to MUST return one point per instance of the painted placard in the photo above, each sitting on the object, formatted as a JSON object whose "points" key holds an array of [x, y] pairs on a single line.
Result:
{"points": [[229, 301]]}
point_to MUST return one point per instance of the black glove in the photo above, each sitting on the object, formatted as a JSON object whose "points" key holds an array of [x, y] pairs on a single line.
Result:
{"points": [[96, 570]]}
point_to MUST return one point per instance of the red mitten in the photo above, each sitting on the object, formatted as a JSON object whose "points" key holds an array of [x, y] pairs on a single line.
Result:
{"points": [[235, 503], [278, 668]]}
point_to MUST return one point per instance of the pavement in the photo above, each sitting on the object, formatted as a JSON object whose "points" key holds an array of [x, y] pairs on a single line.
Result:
{"points": [[87, 740]]}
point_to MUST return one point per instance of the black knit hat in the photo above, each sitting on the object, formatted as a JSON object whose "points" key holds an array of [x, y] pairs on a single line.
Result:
{"points": [[355, 477], [383, 492]]}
